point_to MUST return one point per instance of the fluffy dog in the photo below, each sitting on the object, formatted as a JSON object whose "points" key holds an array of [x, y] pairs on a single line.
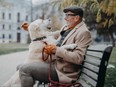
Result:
{"points": [[39, 34]]}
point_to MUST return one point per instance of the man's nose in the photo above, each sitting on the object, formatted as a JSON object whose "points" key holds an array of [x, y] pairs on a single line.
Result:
{"points": [[65, 18]]}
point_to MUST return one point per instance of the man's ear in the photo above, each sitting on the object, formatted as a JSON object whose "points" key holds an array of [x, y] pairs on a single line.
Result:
{"points": [[77, 18], [25, 26]]}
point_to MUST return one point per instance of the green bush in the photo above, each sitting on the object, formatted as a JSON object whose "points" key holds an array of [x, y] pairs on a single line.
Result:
{"points": [[110, 80]]}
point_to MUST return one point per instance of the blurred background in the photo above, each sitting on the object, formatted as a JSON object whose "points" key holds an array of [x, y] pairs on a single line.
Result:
{"points": [[100, 17]]}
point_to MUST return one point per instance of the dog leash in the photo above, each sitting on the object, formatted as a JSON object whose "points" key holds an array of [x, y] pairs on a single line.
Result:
{"points": [[54, 83], [43, 58]]}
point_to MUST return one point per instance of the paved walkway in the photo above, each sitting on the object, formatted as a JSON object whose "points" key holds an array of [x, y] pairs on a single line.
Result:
{"points": [[8, 64]]}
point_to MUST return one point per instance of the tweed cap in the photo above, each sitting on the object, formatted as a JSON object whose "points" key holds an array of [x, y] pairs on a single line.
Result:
{"points": [[74, 9]]}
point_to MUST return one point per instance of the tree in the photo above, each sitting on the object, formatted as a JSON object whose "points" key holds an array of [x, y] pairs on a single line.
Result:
{"points": [[4, 3], [106, 17], [101, 11]]}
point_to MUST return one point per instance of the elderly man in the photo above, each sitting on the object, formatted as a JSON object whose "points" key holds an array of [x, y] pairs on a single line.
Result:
{"points": [[66, 67]]}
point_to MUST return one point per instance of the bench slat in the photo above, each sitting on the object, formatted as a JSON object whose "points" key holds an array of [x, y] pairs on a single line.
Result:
{"points": [[90, 73], [91, 67], [95, 54], [89, 80], [98, 47], [92, 60], [83, 83]]}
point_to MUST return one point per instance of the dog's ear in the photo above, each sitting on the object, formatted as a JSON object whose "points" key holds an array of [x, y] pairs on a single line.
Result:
{"points": [[25, 26]]}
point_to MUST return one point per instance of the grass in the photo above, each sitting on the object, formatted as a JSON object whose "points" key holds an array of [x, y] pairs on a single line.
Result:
{"points": [[113, 55], [110, 79], [12, 47]]}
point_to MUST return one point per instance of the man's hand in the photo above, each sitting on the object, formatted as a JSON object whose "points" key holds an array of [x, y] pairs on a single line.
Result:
{"points": [[50, 49]]}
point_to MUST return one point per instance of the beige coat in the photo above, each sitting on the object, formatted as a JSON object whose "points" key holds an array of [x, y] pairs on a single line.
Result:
{"points": [[67, 66]]}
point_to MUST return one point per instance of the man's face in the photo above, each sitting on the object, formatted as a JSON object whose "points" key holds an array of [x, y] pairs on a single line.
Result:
{"points": [[71, 18]]}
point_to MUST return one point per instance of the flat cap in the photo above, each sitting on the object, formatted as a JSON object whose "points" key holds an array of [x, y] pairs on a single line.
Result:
{"points": [[74, 9]]}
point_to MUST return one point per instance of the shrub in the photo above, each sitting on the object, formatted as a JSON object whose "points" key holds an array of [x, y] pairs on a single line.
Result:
{"points": [[110, 80]]}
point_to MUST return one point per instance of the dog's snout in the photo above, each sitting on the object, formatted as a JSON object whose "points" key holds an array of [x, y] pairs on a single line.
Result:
{"points": [[49, 28]]}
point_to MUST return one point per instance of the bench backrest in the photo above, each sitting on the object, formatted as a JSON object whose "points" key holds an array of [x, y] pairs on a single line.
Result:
{"points": [[95, 65]]}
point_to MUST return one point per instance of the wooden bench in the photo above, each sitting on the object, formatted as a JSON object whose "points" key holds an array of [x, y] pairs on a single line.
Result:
{"points": [[94, 66]]}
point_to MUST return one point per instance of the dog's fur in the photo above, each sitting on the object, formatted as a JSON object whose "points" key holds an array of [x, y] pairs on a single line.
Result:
{"points": [[37, 29]]}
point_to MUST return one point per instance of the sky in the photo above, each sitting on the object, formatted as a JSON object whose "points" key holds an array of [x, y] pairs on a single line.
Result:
{"points": [[39, 1]]}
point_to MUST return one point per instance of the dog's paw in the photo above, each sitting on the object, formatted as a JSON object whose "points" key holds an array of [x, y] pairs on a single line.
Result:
{"points": [[25, 26]]}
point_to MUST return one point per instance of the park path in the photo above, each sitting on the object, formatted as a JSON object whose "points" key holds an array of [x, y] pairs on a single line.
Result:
{"points": [[8, 64]]}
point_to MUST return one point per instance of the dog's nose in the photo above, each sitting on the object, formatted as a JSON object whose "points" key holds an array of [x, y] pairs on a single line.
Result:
{"points": [[49, 28]]}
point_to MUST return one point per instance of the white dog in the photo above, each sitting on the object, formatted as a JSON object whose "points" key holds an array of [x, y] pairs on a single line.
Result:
{"points": [[38, 31]]}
